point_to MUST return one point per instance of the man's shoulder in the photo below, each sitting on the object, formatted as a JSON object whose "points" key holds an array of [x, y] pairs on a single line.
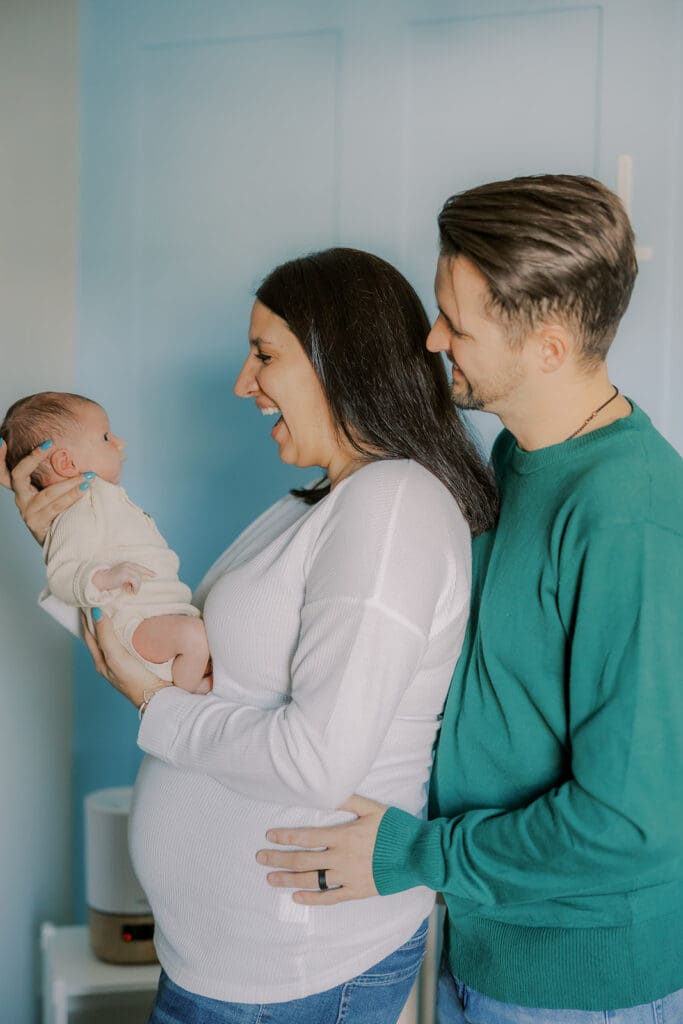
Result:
{"points": [[636, 476]]}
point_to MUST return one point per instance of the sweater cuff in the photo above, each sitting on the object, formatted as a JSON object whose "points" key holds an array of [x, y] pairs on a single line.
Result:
{"points": [[86, 594], [394, 867], [162, 720]]}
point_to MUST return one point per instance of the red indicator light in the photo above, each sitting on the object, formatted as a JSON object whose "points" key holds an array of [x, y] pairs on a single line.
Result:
{"points": [[127, 937]]}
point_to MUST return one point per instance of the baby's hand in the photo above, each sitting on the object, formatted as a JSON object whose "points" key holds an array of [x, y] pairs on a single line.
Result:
{"points": [[125, 575]]}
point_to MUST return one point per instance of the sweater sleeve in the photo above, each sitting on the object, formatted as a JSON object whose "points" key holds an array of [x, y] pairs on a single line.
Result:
{"points": [[71, 554], [358, 650], [620, 805]]}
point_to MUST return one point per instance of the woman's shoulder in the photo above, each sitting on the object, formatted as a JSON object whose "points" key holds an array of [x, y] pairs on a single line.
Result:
{"points": [[387, 478], [391, 529], [398, 494]]}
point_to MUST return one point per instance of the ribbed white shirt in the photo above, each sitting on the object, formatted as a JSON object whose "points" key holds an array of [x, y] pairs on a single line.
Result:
{"points": [[334, 630]]}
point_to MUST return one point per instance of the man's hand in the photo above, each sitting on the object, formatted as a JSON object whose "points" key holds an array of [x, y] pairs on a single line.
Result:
{"points": [[127, 576], [344, 851]]}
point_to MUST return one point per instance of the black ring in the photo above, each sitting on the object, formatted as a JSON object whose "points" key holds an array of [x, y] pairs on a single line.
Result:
{"points": [[322, 879]]}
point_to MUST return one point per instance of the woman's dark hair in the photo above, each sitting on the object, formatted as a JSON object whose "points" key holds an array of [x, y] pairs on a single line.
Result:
{"points": [[364, 329]]}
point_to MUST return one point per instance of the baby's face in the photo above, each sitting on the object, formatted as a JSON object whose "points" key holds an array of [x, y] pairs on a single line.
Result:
{"points": [[93, 447]]}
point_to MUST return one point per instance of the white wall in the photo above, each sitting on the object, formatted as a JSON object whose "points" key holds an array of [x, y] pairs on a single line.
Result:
{"points": [[38, 192]]}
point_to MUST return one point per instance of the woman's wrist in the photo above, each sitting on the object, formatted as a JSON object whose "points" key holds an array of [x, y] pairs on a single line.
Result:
{"points": [[147, 695]]}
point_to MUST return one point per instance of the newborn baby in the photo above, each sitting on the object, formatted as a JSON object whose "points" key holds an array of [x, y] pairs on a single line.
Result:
{"points": [[105, 551]]}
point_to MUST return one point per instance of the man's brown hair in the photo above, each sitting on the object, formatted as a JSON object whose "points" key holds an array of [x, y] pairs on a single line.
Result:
{"points": [[34, 419], [548, 245]]}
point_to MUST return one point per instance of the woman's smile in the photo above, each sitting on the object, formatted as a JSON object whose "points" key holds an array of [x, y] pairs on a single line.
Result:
{"points": [[281, 379]]}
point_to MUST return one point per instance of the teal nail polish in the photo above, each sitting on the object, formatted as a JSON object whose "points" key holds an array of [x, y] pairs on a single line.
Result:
{"points": [[45, 445], [2, 441], [97, 614], [84, 487], [89, 475]]}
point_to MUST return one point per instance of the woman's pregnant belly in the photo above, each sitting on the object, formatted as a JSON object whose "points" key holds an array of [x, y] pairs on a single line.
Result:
{"points": [[193, 845]]}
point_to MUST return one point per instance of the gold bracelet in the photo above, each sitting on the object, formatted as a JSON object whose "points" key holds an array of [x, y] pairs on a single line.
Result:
{"points": [[146, 699]]}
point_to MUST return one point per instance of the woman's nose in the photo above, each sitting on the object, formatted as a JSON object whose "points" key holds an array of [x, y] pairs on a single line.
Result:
{"points": [[246, 384]]}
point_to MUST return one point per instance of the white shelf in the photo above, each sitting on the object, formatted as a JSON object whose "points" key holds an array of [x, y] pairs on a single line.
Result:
{"points": [[71, 972]]}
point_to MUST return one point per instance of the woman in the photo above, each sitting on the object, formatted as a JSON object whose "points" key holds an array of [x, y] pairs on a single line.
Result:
{"points": [[334, 623]]}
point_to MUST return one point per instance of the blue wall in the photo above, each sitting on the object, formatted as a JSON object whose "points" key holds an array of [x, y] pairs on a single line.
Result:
{"points": [[218, 138]]}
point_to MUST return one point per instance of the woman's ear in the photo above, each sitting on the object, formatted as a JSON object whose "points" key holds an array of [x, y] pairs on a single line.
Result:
{"points": [[62, 464]]}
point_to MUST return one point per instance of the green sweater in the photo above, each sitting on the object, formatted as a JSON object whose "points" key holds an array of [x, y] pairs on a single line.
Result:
{"points": [[556, 805]]}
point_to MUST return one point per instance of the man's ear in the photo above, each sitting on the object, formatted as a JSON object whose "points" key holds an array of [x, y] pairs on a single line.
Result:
{"points": [[553, 343], [62, 463]]}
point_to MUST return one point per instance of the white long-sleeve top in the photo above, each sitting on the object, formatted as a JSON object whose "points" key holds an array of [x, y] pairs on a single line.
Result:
{"points": [[334, 630]]}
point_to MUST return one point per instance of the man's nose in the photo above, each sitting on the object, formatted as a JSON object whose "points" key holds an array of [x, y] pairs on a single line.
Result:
{"points": [[438, 339]]}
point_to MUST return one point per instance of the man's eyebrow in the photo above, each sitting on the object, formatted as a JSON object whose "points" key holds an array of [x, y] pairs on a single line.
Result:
{"points": [[448, 320]]}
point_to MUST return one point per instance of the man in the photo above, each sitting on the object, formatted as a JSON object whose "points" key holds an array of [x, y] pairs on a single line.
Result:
{"points": [[556, 805]]}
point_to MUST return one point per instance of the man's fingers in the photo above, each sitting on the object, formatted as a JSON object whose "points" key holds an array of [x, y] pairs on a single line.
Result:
{"points": [[307, 886], [293, 860], [323, 899], [300, 880], [309, 837], [359, 805]]}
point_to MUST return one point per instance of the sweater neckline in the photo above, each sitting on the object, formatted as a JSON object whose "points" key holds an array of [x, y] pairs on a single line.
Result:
{"points": [[529, 462]]}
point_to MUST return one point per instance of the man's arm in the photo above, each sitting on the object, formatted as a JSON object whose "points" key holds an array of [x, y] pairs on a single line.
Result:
{"points": [[621, 805]]}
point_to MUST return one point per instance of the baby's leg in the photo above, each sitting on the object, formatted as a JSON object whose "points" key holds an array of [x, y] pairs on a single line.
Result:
{"points": [[181, 637]]}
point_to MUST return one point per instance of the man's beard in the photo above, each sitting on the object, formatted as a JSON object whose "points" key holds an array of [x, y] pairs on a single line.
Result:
{"points": [[466, 398]]}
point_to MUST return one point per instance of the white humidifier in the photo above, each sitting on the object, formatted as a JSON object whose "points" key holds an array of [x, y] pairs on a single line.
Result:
{"points": [[120, 920]]}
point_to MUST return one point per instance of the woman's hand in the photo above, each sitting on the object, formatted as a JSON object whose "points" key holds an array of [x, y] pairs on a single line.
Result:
{"points": [[117, 665], [37, 508]]}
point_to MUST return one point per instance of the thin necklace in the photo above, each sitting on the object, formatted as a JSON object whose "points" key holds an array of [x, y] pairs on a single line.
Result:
{"points": [[595, 413]]}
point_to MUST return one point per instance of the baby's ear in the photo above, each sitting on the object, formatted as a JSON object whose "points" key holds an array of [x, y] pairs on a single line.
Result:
{"points": [[62, 463]]}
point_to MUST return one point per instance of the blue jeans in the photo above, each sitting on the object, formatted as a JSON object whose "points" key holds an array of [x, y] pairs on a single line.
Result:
{"points": [[458, 1004], [376, 997]]}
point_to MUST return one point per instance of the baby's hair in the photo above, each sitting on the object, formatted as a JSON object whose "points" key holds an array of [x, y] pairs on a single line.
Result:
{"points": [[34, 419]]}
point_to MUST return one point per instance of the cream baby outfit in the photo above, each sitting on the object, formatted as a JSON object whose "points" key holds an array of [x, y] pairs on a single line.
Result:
{"points": [[334, 629], [100, 530]]}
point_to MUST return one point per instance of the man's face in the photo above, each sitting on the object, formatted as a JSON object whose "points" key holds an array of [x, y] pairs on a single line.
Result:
{"points": [[488, 371]]}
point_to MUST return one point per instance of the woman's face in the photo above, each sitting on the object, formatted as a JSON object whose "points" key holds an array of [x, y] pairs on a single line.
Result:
{"points": [[280, 378]]}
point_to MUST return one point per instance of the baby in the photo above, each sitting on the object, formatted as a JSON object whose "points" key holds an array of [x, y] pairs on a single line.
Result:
{"points": [[105, 551]]}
